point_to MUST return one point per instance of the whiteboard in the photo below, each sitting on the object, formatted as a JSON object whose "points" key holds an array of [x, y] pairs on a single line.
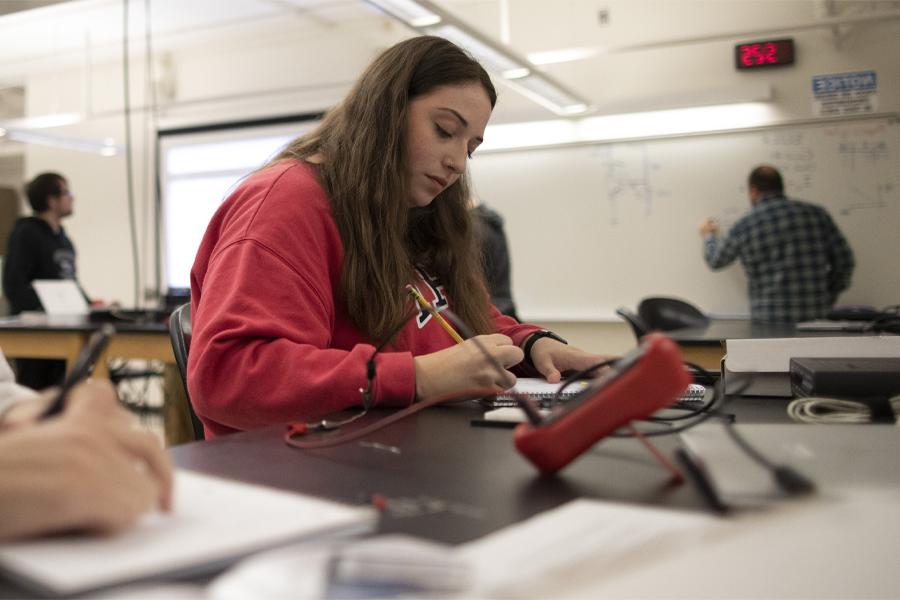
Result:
{"points": [[595, 227]]}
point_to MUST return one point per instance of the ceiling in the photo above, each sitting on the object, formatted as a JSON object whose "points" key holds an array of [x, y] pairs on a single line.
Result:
{"points": [[49, 33], [13, 6]]}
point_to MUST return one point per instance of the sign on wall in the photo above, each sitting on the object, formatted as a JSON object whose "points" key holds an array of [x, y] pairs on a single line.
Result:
{"points": [[845, 94]]}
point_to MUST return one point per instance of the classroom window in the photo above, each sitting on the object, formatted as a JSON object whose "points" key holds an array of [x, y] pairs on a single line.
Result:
{"points": [[199, 170]]}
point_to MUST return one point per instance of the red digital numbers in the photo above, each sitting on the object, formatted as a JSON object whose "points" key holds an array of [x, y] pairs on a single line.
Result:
{"points": [[748, 54], [761, 54]]}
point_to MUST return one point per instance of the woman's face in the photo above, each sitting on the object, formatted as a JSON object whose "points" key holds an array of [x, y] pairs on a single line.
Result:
{"points": [[443, 128]]}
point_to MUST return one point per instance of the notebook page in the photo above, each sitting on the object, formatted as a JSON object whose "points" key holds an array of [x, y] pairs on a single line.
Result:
{"points": [[540, 388], [214, 521]]}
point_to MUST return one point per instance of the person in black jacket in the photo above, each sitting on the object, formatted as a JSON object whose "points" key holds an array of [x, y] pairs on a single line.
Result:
{"points": [[39, 248], [495, 254]]}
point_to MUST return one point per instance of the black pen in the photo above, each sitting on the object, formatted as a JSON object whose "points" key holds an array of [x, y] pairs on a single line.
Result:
{"points": [[82, 369]]}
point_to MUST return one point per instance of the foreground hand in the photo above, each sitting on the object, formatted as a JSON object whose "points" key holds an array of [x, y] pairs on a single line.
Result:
{"points": [[709, 227], [86, 470], [29, 411], [464, 367], [551, 357]]}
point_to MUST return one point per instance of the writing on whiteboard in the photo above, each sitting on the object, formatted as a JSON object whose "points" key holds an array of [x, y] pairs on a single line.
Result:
{"points": [[630, 175]]}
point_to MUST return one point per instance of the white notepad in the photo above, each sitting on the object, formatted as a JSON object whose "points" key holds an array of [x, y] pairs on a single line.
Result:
{"points": [[214, 522], [543, 392], [539, 390]]}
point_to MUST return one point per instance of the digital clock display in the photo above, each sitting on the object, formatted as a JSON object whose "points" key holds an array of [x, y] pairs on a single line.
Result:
{"points": [[770, 53]]}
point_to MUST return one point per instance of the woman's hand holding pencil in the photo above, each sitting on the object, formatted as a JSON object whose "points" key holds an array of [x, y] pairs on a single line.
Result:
{"points": [[465, 367]]}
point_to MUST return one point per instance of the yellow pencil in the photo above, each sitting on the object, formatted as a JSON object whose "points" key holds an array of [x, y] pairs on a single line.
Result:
{"points": [[434, 313]]}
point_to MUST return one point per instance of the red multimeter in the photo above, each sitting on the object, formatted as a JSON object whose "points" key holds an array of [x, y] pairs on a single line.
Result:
{"points": [[648, 378]]}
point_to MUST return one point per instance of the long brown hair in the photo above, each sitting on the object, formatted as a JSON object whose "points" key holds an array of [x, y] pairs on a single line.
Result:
{"points": [[363, 145]]}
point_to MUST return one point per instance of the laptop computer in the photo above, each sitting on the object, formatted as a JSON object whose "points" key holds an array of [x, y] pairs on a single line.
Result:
{"points": [[61, 297]]}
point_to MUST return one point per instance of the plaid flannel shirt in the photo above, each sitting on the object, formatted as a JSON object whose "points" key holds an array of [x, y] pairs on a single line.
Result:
{"points": [[796, 259]]}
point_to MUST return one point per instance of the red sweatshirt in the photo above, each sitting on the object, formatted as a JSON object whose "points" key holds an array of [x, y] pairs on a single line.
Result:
{"points": [[271, 342]]}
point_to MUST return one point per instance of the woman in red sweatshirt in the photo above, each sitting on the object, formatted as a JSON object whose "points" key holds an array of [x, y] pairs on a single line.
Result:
{"points": [[304, 271]]}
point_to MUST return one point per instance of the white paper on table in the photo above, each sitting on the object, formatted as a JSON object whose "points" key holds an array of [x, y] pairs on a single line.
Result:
{"points": [[213, 523], [600, 534]]}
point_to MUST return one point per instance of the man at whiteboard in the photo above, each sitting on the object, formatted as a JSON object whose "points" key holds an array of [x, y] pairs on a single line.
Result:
{"points": [[796, 259]]}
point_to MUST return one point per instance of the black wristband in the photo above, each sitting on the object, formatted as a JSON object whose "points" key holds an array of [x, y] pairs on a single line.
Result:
{"points": [[543, 333]]}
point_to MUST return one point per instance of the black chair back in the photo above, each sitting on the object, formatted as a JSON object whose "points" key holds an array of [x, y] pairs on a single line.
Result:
{"points": [[180, 333], [666, 314], [637, 324]]}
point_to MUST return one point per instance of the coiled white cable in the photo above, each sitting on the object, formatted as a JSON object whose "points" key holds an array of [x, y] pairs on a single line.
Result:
{"points": [[834, 410]]}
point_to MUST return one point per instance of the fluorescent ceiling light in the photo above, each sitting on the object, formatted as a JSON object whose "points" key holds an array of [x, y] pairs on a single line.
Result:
{"points": [[492, 58], [516, 73], [109, 147], [412, 13], [575, 109], [651, 124], [550, 95], [67, 143], [44, 121], [551, 57], [495, 57]]}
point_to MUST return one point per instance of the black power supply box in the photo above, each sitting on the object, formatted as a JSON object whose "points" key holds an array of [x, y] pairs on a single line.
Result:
{"points": [[845, 377]]}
